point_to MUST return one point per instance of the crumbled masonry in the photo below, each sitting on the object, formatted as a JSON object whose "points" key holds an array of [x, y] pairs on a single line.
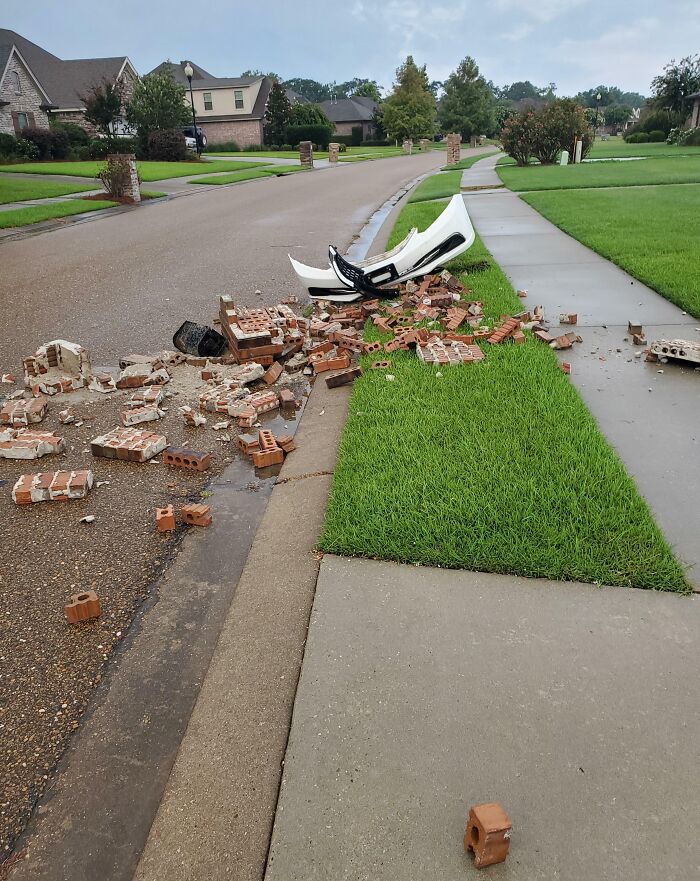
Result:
{"points": [[25, 443], [58, 366], [52, 486], [682, 350]]}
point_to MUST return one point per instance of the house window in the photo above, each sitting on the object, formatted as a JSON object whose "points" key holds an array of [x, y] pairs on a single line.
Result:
{"points": [[22, 121], [15, 83], [208, 105], [238, 99]]}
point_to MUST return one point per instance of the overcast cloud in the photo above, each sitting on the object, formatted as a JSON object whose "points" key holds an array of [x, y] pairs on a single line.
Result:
{"points": [[574, 43]]}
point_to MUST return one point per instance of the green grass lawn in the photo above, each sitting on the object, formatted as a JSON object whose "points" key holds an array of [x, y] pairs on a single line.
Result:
{"points": [[270, 154], [235, 176], [37, 213], [437, 186], [496, 466], [651, 233], [664, 170], [616, 147], [149, 171], [18, 189]]}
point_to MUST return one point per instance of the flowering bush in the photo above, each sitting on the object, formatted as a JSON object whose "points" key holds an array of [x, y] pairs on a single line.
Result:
{"points": [[544, 133]]}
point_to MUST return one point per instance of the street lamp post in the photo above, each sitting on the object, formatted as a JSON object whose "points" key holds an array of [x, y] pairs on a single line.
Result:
{"points": [[189, 73], [598, 99]]}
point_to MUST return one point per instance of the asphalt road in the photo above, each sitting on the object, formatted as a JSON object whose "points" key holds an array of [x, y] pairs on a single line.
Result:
{"points": [[125, 283]]}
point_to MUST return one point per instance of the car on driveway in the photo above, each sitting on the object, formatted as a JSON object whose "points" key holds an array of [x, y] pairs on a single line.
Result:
{"points": [[188, 132]]}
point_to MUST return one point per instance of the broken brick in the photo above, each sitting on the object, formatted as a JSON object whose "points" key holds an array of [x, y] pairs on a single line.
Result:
{"points": [[181, 457], [339, 363], [248, 443], [25, 443], [51, 486], [128, 444], [286, 443], [82, 607], [165, 519], [195, 515], [570, 318], [286, 398], [137, 415], [344, 377], [273, 373], [565, 366], [23, 412], [270, 453], [488, 834]]}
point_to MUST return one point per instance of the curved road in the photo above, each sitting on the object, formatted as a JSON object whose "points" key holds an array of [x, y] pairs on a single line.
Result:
{"points": [[125, 282]]}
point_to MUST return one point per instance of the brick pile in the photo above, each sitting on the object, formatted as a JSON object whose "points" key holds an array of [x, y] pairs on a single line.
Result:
{"points": [[25, 443], [23, 412], [51, 486], [128, 444]]}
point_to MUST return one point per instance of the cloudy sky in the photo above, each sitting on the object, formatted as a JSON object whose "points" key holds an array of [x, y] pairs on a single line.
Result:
{"points": [[577, 44]]}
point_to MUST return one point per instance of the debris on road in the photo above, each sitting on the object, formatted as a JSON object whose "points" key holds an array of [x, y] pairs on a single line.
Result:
{"points": [[193, 460], [570, 318], [195, 515], [82, 607], [344, 377], [26, 443], [130, 444], [65, 417], [51, 486], [58, 366], [137, 415], [8, 378], [681, 350], [23, 412], [488, 834], [165, 519], [195, 339], [192, 418]]}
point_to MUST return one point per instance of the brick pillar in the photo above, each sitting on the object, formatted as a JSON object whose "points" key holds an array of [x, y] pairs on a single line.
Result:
{"points": [[424, 143], [133, 188], [306, 154], [453, 148], [407, 146], [333, 150]]}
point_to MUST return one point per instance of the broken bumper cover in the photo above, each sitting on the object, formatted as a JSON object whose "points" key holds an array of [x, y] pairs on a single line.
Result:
{"points": [[419, 254]]}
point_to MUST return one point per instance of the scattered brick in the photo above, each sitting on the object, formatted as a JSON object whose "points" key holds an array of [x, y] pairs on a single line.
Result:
{"points": [[23, 412], [561, 342], [66, 416], [488, 834], [192, 418], [269, 453], [58, 366], [344, 377], [248, 443], [182, 457], [82, 607], [128, 444], [286, 398], [338, 363], [152, 396], [8, 377], [286, 442], [273, 373], [51, 486], [195, 515], [380, 365], [26, 443], [570, 318], [565, 366], [518, 337], [508, 328], [137, 415], [448, 353], [634, 327], [639, 339], [165, 519]]}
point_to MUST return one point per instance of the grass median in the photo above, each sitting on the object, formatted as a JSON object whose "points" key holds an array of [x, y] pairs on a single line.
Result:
{"points": [[148, 171], [437, 186], [494, 466], [50, 211], [19, 189], [650, 233]]}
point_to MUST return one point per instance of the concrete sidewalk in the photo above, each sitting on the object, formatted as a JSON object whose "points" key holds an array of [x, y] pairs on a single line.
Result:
{"points": [[425, 691], [648, 412]]}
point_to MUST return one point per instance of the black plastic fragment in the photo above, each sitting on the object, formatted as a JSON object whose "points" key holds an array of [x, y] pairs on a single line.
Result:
{"points": [[196, 339]]}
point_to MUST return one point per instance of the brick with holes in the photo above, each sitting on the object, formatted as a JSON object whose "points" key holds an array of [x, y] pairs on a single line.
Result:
{"points": [[182, 457], [165, 519], [195, 515], [488, 834], [82, 607], [270, 453]]}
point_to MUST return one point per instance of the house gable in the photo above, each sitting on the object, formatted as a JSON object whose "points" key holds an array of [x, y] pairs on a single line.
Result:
{"points": [[23, 102]]}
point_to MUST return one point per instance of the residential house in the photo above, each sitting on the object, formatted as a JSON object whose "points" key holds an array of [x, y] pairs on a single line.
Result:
{"points": [[694, 118], [227, 108], [350, 113], [34, 83]]}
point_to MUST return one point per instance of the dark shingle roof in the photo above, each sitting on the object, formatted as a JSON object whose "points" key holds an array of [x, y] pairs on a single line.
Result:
{"points": [[357, 109], [201, 79], [63, 81]]}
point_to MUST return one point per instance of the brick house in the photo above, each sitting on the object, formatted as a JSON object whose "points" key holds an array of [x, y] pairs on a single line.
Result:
{"points": [[349, 113], [48, 84], [227, 108]]}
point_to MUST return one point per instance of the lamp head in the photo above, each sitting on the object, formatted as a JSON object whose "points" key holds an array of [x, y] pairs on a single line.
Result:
{"points": [[189, 71]]}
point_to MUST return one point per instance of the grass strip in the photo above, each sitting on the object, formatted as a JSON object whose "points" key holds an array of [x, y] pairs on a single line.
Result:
{"points": [[495, 466], [645, 172], [149, 171], [468, 162], [37, 213], [234, 177], [437, 186], [18, 189], [650, 233], [618, 147]]}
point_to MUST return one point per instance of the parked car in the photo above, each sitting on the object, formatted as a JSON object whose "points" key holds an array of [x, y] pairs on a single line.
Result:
{"points": [[188, 132], [190, 143]]}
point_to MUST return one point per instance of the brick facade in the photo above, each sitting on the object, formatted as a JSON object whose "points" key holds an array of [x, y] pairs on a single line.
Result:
{"points": [[345, 128], [244, 132], [29, 101]]}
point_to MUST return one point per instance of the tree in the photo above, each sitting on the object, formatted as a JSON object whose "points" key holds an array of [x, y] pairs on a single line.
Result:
{"points": [[617, 114], [309, 114], [679, 79], [103, 105], [409, 112], [271, 75], [467, 106], [368, 89], [278, 115], [158, 103], [518, 91], [312, 90]]}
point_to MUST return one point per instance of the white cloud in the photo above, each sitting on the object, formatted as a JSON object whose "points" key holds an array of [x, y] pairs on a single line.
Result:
{"points": [[542, 11], [519, 32]]}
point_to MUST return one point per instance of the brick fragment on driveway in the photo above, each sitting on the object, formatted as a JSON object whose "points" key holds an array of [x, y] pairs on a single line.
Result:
{"points": [[165, 519], [137, 415], [195, 515], [26, 443], [344, 377], [82, 607], [182, 457], [488, 834], [23, 412], [129, 444], [52, 486]]}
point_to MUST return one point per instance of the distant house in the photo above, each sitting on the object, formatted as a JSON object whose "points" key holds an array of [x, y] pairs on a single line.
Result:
{"points": [[34, 83], [227, 108], [349, 113], [694, 118]]}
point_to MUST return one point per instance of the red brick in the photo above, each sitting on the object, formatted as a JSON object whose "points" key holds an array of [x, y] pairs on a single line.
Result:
{"points": [[195, 515], [286, 398], [339, 363], [165, 519], [488, 834], [82, 607], [286, 443], [344, 377], [273, 373], [181, 457], [380, 365], [248, 443]]}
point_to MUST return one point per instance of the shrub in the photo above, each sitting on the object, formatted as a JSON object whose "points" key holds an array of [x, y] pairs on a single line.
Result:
{"points": [[657, 136], [115, 175], [59, 144], [167, 145], [377, 143], [637, 138], [8, 145], [27, 150], [691, 137], [342, 148], [224, 147], [518, 136], [341, 139], [100, 148], [546, 132], [76, 134], [286, 147], [317, 134], [41, 138], [253, 148], [356, 136]]}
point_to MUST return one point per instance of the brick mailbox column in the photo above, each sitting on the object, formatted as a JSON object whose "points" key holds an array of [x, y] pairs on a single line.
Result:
{"points": [[407, 146], [306, 154], [333, 151], [424, 143], [453, 148], [133, 188]]}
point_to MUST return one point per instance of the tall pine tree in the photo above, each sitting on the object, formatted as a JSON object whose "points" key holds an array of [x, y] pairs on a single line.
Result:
{"points": [[278, 115], [467, 106], [409, 112]]}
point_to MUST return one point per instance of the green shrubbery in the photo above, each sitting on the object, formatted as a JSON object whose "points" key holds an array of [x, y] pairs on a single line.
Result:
{"points": [[317, 133], [167, 145], [684, 137], [637, 138], [224, 147], [543, 134]]}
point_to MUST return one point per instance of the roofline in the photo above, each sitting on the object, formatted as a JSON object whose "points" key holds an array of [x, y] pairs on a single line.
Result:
{"points": [[126, 61], [244, 117], [209, 88], [29, 71]]}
